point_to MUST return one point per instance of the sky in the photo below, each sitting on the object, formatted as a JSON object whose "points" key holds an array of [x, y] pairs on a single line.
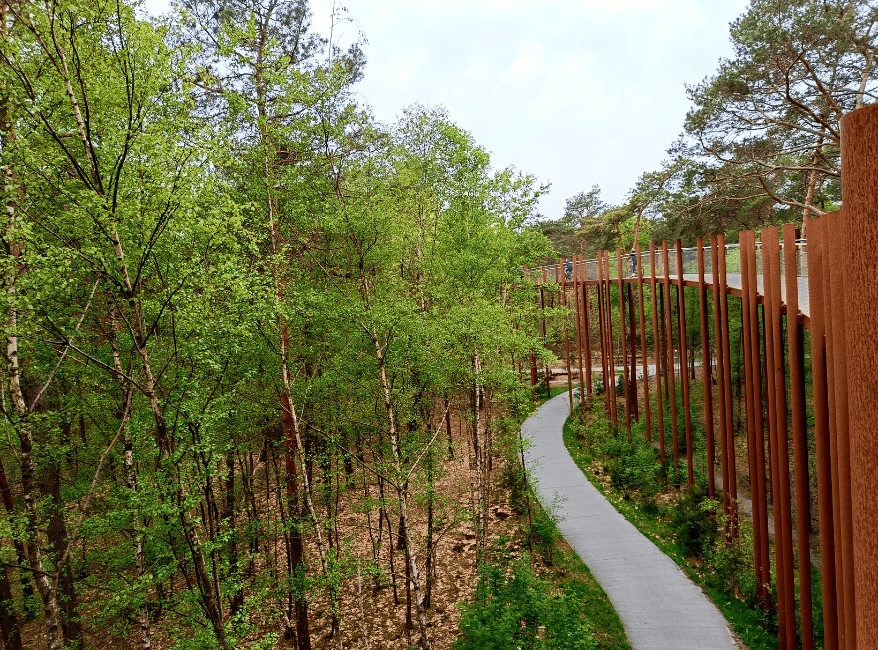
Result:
{"points": [[576, 92]]}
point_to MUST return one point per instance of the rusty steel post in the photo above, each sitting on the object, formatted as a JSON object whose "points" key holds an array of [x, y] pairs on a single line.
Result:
{"points": [[816, 239], [632, 328], [748, 253], [543, 326], [623, 336], [800, 448], [720, 382], [727, 385], [829, 301], [655, 355], [706, 368], [684, 362], [774, 469], [600, 265], [669, 355], [586, 328], [782, 509], [566, 335], [751, 432], [608, 311], [859, 161], [576, 281], [837, 352], [643, 360]]}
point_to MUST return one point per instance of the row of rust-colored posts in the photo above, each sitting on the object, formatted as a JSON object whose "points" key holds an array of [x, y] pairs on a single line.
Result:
{"points": [[842, 280]]}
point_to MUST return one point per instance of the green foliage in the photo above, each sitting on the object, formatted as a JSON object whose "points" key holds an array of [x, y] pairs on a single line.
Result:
{"points": [[514, 608], [693, 521]]}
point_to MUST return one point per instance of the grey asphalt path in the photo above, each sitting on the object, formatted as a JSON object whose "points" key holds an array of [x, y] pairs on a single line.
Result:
{"points": [[660, 607]]}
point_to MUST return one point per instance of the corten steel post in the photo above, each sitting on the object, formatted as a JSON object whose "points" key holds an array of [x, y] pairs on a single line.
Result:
{"points": [[576, 282], [586, 329], [684, 361], [720, 382], [632, 328], [533, 364], [655, 355], [837, 351], [624, 342], [748, 261], [782, 510], [727, 384], [859, 161], [829, 221], [608, 311], [800, 449], [669, 355], [816, 237], [601, 320], [706, 368], [566, 335], [752, 464], [643, 361], [543, 326], [774, 469]]}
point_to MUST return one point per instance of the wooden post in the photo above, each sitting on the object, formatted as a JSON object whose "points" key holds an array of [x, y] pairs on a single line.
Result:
{"points": [[577, 280]]}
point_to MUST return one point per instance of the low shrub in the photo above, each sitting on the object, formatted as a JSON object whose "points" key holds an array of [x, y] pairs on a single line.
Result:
{"points": [[694, 523], [516, 609]]}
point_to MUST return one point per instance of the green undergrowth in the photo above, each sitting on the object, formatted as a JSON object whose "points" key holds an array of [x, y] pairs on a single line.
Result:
{"points": [[683, 522], [534, 593]]}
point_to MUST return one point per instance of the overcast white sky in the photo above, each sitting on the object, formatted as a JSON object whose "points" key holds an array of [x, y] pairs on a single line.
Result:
{"points": [[577, 92]]}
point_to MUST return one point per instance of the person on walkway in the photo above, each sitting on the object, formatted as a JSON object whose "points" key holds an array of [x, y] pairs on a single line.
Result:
{"points": [[633, 262], [568, 270]]}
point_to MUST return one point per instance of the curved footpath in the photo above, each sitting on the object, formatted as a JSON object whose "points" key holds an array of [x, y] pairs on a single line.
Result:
{"points": [[660, 607]]}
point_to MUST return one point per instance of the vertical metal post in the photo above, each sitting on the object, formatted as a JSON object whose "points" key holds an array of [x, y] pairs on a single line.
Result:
{"points": [[577, 280], [543, 326], [669, 355], [602, 319], [684, 361], [608, 311], [748, 263], [633, 330], [624, 342], [721, 379], [706, 368], [727, 385], [656, 356], [586, 329], [816, 239], [837, 352], [782, 510], [643, 360], [859, 161], [752, 457], [800, 449], [566, 334]]}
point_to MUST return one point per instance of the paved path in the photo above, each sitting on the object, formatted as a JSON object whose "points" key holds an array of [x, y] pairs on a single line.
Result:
{"points": [[659, 606]]}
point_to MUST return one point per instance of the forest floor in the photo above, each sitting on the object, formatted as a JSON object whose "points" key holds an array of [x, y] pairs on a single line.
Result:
{"points": [[373, 613]]}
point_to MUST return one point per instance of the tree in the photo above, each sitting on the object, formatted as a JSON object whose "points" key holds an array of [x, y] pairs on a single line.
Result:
{"points": [[767, 123]]}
